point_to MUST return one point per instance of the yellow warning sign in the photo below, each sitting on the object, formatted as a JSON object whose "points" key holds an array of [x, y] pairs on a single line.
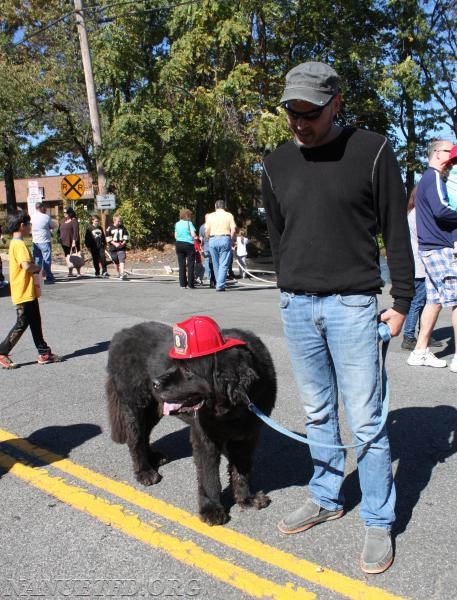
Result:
{"points": [[72, 187]]}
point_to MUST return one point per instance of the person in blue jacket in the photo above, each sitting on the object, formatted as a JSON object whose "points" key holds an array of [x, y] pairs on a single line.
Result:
{"points": [[436, 233]]}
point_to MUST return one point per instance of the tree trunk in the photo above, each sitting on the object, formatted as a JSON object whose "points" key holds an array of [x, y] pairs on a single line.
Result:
{"points": [[8, 154]]}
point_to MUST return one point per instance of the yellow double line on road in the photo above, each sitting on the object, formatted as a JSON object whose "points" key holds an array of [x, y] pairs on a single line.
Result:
{"points": [[185, 551]]}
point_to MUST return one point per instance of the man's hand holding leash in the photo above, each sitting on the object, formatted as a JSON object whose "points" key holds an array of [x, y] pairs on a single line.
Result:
{"points": [[394, 320]]}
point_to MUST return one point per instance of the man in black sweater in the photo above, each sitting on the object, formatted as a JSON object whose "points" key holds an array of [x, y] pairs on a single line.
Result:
{"points": [[327, 193]]}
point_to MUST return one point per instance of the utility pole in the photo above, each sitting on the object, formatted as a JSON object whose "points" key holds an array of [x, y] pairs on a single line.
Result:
{"points": [[91, 96]]}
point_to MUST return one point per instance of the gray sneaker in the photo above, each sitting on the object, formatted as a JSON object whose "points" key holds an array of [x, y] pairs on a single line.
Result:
{"points": [[307, 516], [377, 554], [408, 343]]}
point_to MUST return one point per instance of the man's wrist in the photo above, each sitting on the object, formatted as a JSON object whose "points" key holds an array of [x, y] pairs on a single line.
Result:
{"points": [[401, 305]]}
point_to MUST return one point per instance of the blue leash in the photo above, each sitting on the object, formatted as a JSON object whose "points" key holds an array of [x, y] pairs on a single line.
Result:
{"points": [[384, 336]]}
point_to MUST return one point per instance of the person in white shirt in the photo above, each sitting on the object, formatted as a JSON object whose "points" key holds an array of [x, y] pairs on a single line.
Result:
{"points": [[41, 237], [241, 252], [220, 228]]}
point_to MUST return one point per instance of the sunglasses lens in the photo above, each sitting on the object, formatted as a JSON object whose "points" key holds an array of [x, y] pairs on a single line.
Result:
{"points": [[313, 116], [309, 115]]}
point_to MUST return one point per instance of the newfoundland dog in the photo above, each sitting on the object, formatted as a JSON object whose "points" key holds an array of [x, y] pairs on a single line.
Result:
{"points": [[207, 384]]}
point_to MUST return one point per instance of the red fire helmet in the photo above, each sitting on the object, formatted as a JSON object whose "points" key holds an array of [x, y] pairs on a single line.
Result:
{"points": [[199, 336]]}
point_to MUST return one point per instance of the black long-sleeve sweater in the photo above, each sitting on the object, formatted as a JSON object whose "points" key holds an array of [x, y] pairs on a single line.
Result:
{"points": [[324, 207]]}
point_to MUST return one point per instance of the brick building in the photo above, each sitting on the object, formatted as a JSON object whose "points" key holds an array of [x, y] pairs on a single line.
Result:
{"points": [[51, 191]]}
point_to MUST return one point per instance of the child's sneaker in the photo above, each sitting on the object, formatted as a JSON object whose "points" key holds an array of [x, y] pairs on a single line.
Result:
{"points": [[6, 362], [44, 359], [105, 275]]}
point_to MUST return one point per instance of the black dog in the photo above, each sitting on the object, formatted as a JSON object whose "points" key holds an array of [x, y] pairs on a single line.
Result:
{"points": [[209, 393]]}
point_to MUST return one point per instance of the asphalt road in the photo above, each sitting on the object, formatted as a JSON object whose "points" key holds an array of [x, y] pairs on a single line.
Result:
{"points": [[76, 524]]}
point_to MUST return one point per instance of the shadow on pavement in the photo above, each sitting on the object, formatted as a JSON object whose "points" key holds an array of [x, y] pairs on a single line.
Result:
{"points": [[420, 438], [57, 442], [95, 349], [174, 445], [279, 462], [441, 334]]}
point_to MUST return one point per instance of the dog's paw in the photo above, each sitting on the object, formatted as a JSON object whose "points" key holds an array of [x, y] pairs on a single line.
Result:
{"points": [[261, 500], [214, 515], [258, 501], [148, 477]]}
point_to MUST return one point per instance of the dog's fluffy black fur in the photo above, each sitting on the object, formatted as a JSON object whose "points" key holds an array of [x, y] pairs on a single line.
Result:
{"points": [[209, 393]]}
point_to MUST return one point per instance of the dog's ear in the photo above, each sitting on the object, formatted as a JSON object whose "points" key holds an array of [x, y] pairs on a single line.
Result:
{"points": [[247, 377], [234, 378]]}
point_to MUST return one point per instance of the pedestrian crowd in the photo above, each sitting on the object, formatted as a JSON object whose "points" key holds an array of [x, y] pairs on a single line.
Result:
{"points": [[209, 253]]}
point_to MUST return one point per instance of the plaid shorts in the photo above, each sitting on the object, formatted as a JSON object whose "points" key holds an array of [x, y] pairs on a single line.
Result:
{"points": [[440, 276]]}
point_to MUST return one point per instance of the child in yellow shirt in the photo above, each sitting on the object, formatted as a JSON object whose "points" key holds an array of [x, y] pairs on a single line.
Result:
{"points": [[23, 295]]}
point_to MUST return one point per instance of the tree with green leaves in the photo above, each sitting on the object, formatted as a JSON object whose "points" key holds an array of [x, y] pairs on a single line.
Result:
{"points": [[21, 95], [188, 92]]}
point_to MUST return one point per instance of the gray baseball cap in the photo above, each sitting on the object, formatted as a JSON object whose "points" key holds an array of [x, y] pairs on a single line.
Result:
{"points": [[313, 82]]}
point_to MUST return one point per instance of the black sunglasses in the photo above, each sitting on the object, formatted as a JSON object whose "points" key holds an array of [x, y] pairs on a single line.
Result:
{"points": [[309, 115]]}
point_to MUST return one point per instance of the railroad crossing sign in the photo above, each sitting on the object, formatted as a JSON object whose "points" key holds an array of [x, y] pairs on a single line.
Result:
{"points": [[72, 187]]}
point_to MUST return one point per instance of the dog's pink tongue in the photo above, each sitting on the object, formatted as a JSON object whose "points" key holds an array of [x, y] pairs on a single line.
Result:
{"points": [[168, 408]]}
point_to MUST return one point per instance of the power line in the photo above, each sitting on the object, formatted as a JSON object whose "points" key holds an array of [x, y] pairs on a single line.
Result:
{"points": [[106, 19], [42, 29]]}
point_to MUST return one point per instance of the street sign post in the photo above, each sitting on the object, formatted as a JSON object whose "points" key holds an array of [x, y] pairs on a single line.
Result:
{"points": [[72, 187], [105, 201], [34, 195]]}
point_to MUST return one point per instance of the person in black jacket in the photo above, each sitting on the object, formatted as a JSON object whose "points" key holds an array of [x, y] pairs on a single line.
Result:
{"points": [[327, 194], [96, 243], [2, 277], [117, 237]]}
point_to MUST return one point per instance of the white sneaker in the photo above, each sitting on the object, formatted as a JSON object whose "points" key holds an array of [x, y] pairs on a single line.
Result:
{"points": [[453, 365], [425, 358]]}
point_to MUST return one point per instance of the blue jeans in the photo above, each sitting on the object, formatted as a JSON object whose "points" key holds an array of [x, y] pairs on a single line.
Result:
{"points": [[416, 308], [206, 261], [206, 265], [333, 346], [43, 257], [220, 247]]}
